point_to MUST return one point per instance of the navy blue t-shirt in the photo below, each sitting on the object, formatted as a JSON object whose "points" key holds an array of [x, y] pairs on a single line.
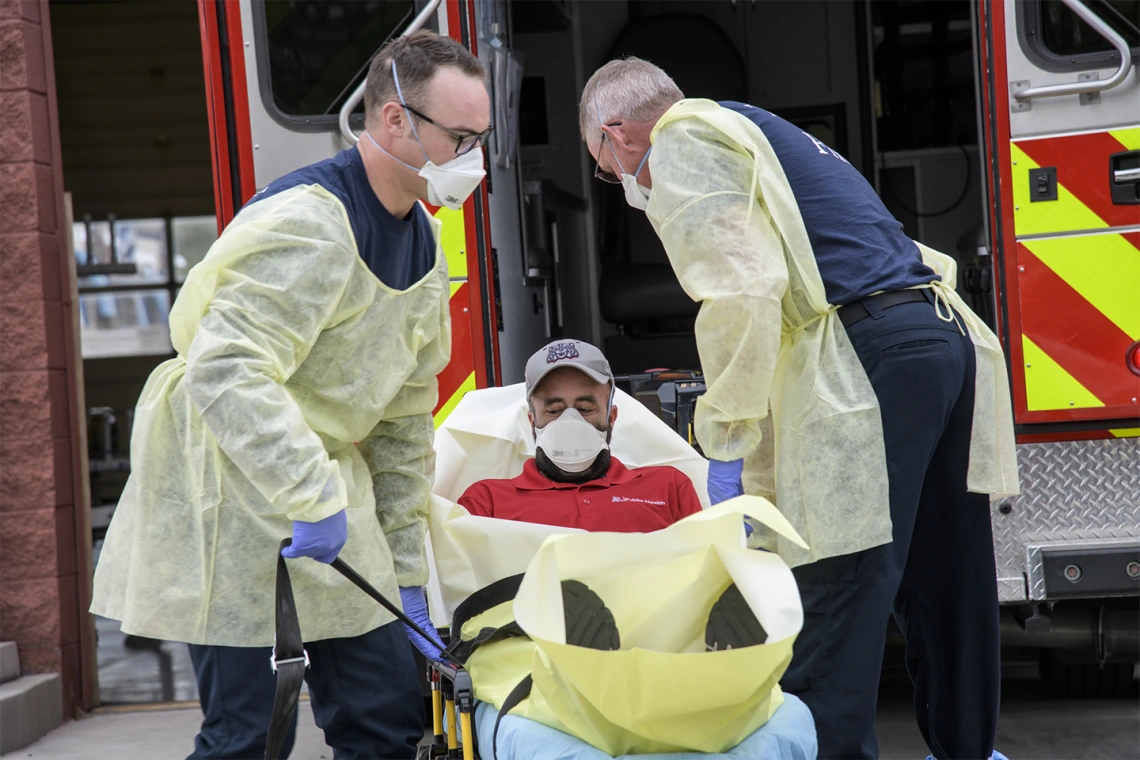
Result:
{"points": [[400, 252], [859, 247]]}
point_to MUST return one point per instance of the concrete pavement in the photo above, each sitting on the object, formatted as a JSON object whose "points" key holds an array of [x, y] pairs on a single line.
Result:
{"points": [[150, 735], [1033, 726]]}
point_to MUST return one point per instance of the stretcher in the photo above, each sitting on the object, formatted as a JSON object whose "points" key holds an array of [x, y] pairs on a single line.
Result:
{"points": [[464, 728], [488, 435], [788, 735]]}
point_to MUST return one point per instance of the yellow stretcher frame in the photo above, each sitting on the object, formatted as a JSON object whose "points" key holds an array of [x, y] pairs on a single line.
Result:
{"points": [[452, 696]]}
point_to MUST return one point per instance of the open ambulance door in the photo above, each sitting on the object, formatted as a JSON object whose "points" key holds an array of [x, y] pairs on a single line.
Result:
{"points": [[1060, 95], [278, 76]]}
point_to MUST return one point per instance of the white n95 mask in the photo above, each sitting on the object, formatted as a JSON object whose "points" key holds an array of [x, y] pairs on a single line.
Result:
{"points": [[570, 442], [635, 195], [452, 184], [448, 185]]}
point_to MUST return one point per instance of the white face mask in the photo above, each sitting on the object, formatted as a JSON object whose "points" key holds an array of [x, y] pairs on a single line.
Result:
{"points": [[570, 442], [450, 184], [635, 195]]}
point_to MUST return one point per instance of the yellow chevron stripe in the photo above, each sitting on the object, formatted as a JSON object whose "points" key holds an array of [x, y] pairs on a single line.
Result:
{"points": [[453, 238], [456, 286], [1126, 433], [1129, 138], [1104, 269], [449, 407], [1066, 213], [1048, 386]]}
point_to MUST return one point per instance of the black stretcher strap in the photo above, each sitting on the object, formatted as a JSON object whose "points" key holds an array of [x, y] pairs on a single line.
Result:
{"points": [[288, 660], [289, 655], [482, 600], [462, 650], [513, 700]]}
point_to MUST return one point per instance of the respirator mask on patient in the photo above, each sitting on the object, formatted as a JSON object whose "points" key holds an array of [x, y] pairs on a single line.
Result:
{"points": [[570, 442]]}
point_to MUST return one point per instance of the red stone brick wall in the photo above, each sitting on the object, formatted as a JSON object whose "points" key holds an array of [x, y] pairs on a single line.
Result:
{"points": [[43, 567]]}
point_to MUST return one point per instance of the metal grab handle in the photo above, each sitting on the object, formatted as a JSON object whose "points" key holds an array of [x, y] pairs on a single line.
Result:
{"points": [[1126, 175], [358, 94], [1093, 85]]}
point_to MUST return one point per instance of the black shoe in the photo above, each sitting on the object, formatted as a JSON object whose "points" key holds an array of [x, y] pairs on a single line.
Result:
{"points": [[589, 623], [732, 625]]}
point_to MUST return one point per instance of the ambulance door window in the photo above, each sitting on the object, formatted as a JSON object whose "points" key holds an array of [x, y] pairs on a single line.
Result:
{"points": [[1057, 39], [1063, 33], [313, 53]]}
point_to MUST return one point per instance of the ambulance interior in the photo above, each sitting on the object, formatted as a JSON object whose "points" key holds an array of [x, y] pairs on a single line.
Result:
{"points": [[889, 84]]}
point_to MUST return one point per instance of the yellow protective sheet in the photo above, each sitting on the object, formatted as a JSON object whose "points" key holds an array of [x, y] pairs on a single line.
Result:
{"points": [[488, 436], [661, 692]]}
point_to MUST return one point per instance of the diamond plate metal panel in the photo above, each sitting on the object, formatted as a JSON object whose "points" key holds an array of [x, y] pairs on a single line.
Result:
{"points": [[1072, 492]]}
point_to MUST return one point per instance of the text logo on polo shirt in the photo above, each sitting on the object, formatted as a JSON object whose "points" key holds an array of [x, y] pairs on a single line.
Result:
{"points": [[639, 501], [561, 352]]}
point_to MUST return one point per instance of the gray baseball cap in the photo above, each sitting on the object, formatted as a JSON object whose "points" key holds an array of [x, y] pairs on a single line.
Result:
{"points": [[567, 353]]}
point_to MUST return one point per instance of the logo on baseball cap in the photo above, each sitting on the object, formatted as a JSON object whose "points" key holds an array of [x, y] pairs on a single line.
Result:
{"points": [[567, 353]]}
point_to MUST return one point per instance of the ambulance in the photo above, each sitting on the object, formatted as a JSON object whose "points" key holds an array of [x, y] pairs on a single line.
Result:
{"points": [[1006, 134]]}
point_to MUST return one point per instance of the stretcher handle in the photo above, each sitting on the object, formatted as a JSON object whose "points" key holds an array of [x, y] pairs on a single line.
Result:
{"points": [[342, 567]]}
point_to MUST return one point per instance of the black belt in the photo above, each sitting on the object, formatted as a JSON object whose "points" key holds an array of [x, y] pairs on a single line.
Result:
{"points": [[853, 312]]}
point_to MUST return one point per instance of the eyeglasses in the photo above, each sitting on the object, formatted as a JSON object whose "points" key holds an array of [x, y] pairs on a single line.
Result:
{"points": [[599, 172], [465, 142]]}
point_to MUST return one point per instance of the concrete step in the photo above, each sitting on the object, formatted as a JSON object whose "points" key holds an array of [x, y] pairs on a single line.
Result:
{"points": [[9, 662], [30, 707]]}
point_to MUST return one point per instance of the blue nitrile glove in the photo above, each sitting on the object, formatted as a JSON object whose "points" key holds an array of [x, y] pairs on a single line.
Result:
{"points": [[322, 540], [415, 607], [724, 480]]}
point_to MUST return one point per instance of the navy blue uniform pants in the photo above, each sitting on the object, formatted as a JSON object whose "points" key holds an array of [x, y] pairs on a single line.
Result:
{"points": [[937, 576], [364, 693]]}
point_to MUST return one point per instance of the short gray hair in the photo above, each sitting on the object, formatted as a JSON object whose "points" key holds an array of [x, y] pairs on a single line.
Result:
{"points": [[630, 89]]}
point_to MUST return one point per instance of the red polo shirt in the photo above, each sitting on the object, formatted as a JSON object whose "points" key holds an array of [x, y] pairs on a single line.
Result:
{"points": [[624, 501]]}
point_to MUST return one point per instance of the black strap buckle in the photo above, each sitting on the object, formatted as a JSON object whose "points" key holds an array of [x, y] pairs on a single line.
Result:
{"points": [[274, 662]]}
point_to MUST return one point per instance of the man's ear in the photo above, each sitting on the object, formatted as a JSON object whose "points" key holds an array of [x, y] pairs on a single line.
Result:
{"points": [[613, 414], [617, 135], [393, 118], [621, 135]]}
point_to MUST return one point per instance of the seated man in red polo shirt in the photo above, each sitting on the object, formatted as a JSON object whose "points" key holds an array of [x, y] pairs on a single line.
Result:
{"points": [[573, 481]]}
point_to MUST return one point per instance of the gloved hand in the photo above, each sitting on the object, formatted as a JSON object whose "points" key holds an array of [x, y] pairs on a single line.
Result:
{"points": [[724, 480], [415, 607], [322, 540]]}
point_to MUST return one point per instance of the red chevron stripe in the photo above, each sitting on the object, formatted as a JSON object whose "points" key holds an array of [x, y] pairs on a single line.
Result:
{"points": [[1082, 167], [462, 362], [1087, 344]]}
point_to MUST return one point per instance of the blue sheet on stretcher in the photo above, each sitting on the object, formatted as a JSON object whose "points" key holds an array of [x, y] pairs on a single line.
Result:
{"points": [[789, 735]]}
